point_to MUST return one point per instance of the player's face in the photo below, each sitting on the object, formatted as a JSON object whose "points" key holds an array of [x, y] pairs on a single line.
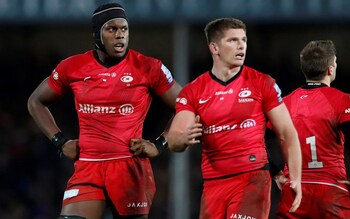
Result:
{"points": [[232, 47], [115, 37], [334, 69]]}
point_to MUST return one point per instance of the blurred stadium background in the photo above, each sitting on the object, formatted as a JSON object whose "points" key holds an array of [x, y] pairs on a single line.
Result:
{"points": [[36, 34]]}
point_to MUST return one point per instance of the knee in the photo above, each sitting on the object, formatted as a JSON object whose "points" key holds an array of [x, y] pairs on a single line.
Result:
{"points": [[70, 217]]}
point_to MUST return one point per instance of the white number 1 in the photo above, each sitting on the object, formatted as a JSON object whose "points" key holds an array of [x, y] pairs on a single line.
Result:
{"points": [[314, 163]]}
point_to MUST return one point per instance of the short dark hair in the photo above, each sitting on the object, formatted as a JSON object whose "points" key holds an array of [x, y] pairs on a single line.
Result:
{"points": [[214, 30], [316, 57]]}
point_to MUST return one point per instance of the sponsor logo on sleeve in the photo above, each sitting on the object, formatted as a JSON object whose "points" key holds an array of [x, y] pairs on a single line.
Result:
{"points": [[182, 100], [167, 73], [279, 92], [55, 75]]}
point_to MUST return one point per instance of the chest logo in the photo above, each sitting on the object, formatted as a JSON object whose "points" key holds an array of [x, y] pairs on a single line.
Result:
{"points": [[127, 78], [201, 101], [126, 109], [245, 93]]}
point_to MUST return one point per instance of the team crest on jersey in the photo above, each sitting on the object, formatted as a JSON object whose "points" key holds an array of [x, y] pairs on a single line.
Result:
{"points": [[127, 78], [244, 96], [55, 75]]}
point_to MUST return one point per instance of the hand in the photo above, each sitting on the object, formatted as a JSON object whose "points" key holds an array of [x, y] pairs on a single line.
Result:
{"points": [[71, 149], [280, 179], [142, 147], [194, 132], [296, 186], [346, 182]]}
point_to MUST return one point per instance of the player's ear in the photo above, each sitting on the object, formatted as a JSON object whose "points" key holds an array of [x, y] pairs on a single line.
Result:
{"points": [[331, 70], [213, 48]]}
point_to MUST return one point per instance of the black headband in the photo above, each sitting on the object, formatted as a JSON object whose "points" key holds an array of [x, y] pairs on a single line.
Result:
{"points": [[101, 16], [105, 13]]}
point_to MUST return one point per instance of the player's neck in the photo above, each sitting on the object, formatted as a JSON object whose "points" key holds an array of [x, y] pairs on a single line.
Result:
{"points": [[224, 73]]}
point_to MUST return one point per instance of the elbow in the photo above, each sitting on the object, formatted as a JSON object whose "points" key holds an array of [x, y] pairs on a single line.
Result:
{"points": [[31, 104], [177, 148], [175, 145]]}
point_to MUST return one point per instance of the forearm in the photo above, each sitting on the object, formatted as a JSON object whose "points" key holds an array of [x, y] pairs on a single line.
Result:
{"points": [[43, 118], [292, 153], [177, 141]]}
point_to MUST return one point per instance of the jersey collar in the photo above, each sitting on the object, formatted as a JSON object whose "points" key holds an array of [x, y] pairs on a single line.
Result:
{"points": [[225, 82], [310, 85]]}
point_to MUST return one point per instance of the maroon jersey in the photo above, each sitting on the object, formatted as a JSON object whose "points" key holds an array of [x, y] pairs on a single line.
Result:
{"points": [[317, 112], [233, 118], [111, 103]]}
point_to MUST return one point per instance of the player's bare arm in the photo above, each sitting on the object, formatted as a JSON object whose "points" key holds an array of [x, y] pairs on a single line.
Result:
{"points": [[290, 146], [184, 131], [345, 128], [38, 107]]}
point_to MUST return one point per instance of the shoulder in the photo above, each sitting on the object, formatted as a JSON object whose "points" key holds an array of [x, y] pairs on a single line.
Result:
{"points": [[201, 79], [254, 74], [78, 60], [142, 60], [336, 95]]}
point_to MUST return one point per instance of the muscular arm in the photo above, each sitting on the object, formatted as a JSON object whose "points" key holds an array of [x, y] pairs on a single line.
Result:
{"points": [[38, 103], [183, 131], [290, 146], [169, 97]]}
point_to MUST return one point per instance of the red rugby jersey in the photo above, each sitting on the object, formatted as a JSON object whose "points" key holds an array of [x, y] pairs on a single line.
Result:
{"points": [[233, 118], [317, 112], [111, 103]]}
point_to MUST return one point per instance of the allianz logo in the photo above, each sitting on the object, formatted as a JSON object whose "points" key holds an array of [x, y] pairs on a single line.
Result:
{"points": [[248, 123], [124, 110], [90, 108], [230, 91]]}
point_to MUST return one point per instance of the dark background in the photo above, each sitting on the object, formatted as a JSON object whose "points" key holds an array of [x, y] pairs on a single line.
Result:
{"points": [[33, 176]]}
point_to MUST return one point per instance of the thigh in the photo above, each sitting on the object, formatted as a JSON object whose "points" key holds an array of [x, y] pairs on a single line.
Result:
{"points": [[319, 201], [86, 183], [241, 196], [130, 186], [93, 209], [253, 199]]}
